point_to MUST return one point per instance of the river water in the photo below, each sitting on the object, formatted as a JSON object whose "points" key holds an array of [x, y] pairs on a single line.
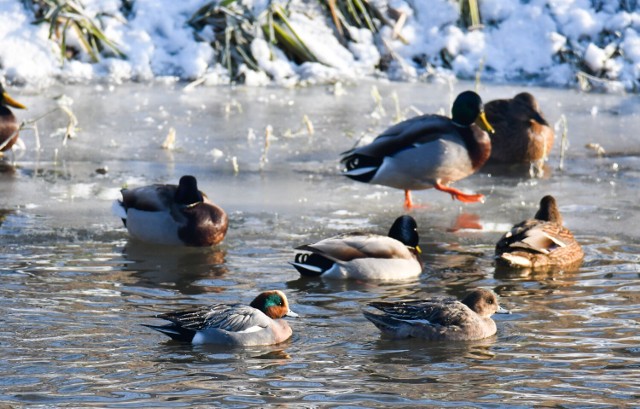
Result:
{"points": [[75, 289]]}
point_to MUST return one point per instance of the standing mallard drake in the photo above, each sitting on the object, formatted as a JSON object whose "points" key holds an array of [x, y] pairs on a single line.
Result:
{"points": [[172, 215], [9, 125], [439, 319], [522, 134], [363, 256], [541, 242], [426, 151], [258, 323]]}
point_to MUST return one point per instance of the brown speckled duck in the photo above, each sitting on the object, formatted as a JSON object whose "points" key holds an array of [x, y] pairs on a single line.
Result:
{"points": [[172, 215], [522, 134], [9, 125], [439, 319], [541, 242], [428, 151]]}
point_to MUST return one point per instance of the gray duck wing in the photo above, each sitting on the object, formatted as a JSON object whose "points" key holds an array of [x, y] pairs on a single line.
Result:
{"points": [[232, 318], [415, 131], [351, 246], [153, 198], [436, 311]]}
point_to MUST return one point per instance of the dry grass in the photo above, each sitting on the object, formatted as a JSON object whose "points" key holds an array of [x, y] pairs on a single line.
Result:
{"points": [[65, 15]]}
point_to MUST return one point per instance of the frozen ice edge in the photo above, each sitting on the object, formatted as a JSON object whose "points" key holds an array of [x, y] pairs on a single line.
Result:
{"points": [[532, 42]]}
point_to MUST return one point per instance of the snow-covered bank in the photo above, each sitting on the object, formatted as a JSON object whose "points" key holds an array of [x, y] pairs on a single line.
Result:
{"points": [[552, 42]]}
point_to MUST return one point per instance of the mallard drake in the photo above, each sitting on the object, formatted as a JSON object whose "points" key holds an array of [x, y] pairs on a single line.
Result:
{"points": [[363, 256], [439, 319], [172, 215], [522, 134], [426, 151], [258, 323], [9, 125], [541, 242]]}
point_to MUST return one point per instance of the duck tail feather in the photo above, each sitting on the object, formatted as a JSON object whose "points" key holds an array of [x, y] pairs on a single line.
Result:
{"points": [[311, 265], [118, 210], [384, 323], [176, 332], [360, 167]]}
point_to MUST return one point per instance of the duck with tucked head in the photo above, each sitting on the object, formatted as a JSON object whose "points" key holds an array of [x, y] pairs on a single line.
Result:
{"points": [[172, 215], [9, 126], [439, 319], [258, 323], [426, 151], [522, 134], [541, 242], [363, 256]]}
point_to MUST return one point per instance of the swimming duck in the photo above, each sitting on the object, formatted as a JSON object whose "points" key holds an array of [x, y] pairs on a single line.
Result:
{"points": [[439, 319], [172, 215], [426, 151], [540, 242], [9, 125], [258, 323], [522, 134], [364, 256]]}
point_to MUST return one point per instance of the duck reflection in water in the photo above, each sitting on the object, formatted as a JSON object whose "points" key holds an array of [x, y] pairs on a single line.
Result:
{"points": [[178, 268], [413, 352]]}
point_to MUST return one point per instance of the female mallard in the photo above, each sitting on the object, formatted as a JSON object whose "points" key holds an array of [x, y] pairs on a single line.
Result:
{"points": [[439, 319], [426, 151], [172, 215], [258, 323], [9, 126], [364, 256], [541, 242], [522, 135]]}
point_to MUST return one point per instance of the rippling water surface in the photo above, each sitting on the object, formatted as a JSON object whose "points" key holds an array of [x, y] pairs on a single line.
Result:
{"points": [[74, 289]]}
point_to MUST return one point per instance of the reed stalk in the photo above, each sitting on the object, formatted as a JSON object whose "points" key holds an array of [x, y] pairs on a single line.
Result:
{"points": [[63, 15]]}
